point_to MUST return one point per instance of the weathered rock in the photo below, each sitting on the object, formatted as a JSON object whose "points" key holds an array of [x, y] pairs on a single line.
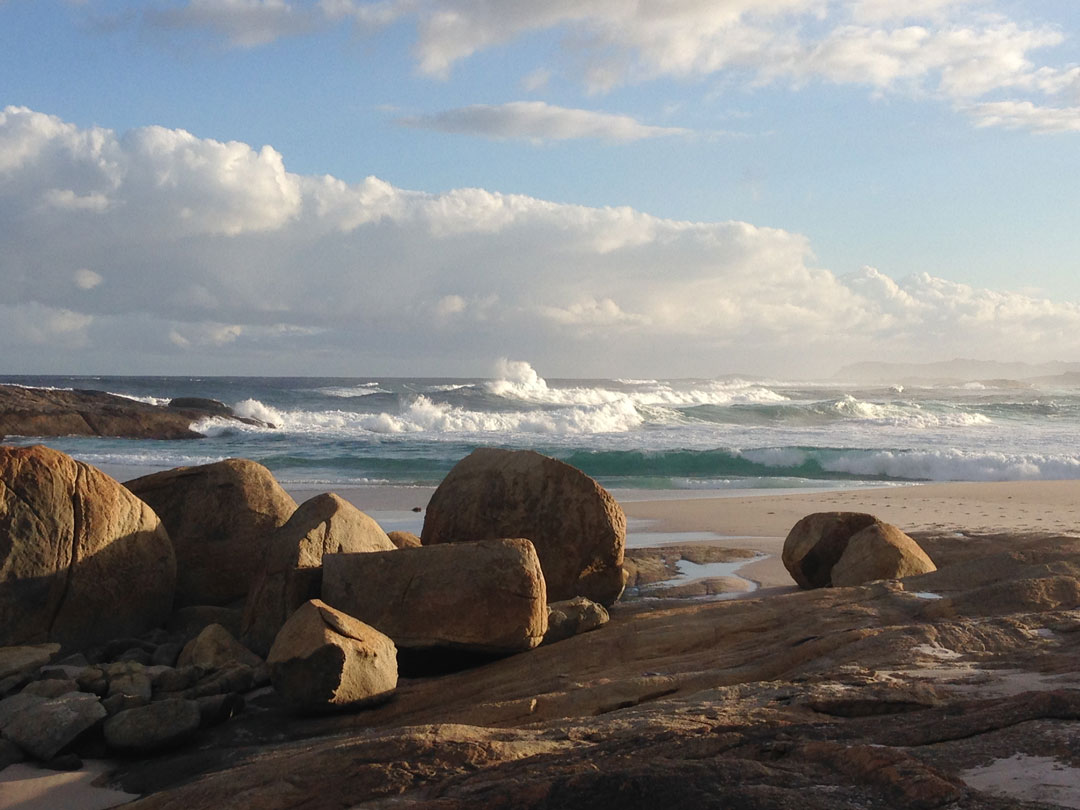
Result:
{"points": [[216, 709], [219, 517], [211, 406], [82, 560], [48, 412], [177, 680], [289, 575], [577, 528], [166, 654], [51, 687], [10, 753], [215, 648], [324, 659], [404, 539], [850, 548], [232, 679], [25, 659], [150, 728], [880, 551], [189, 621], [44, 729], [486, 597], [573, 616]]}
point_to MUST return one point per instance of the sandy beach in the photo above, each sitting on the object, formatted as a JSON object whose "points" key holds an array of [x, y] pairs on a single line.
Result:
{"points": [[759, 522]]}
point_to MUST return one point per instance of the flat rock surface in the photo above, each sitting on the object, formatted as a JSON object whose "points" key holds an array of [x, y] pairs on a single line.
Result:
{"points": [[840, 698]]}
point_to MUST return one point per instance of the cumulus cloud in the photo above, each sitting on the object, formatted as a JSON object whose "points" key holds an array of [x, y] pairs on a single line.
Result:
{"points": [[220, 259], [538, 121], [242, 23]]}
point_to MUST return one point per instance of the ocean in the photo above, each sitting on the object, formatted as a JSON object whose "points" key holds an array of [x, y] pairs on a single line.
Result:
{"points": [[683, 436]]}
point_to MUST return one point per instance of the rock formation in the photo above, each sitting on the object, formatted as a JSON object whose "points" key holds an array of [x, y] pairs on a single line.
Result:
{"points": [[49, 412], [578, 529], [290, 573], [484, 597], [220, 517], [850, 548], [323, 659], [82, 560]]}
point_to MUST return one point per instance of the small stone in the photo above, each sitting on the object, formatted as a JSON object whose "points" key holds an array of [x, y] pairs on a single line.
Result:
{"points": [[215, 648]]}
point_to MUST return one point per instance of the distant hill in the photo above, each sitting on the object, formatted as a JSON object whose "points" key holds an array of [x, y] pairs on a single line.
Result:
{"points": [[960, 370]]}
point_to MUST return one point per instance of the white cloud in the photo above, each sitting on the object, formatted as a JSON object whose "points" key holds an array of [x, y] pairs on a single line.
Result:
{"points": [[243, 23], [86, 279], [956, 49], [538, 121], [275, 272], [1025, 115]]}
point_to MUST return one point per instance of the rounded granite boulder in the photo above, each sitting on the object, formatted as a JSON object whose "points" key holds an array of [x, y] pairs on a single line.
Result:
{"points": [[82, 560]]}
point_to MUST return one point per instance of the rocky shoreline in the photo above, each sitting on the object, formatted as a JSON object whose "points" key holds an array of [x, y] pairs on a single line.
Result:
{"points": [[47, 412], [953, 688]]}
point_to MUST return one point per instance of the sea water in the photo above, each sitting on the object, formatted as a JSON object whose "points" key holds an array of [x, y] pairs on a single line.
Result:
{"points": [[680, 436]]}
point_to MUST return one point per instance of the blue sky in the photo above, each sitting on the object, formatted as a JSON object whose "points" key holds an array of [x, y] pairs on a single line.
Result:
{"points": [[602, 187]]}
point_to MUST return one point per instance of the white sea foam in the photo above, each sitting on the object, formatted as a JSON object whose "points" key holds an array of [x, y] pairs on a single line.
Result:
{"points": [[908, 414], [361, 390], [147, 399], [953, 465], [517, 380], [423, 415]]}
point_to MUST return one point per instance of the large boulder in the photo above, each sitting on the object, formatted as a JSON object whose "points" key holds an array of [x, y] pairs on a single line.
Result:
{"points": [[325, 659], [220, 517], [485, 597], [82, 560], [850, 548], [578, 529], [215, 648], [289, 575]]}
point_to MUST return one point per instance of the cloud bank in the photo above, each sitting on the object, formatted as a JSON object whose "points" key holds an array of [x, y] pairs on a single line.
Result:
{"points": [[157, 250]]}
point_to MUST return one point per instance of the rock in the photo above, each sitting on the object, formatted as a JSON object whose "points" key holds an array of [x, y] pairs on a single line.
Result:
{"points": [[213, 407], [289, 575], [43, 730], [216, 709], [24, 660], [816, 551], [51, 687], [14, 704], [324, 659], [135, 684], [150, 728], [82, 560], [10, 754], [48, 412], [577, 528], [64, 762], [191, 620], [219, 517], [177, 680], [573, 616], [485, 597], [166, 654], [404, 539], [236, 678], [215, 648], [880, 551]]}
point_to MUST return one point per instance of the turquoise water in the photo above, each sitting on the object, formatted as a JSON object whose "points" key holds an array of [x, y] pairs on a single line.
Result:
{"points": [[701, 434]]}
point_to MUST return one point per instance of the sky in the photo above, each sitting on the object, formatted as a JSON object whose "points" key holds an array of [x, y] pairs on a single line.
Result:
{"points": [[600, 188]]}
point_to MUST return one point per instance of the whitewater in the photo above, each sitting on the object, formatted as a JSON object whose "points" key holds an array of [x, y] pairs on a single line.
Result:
{"points": [[653, 434]]}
